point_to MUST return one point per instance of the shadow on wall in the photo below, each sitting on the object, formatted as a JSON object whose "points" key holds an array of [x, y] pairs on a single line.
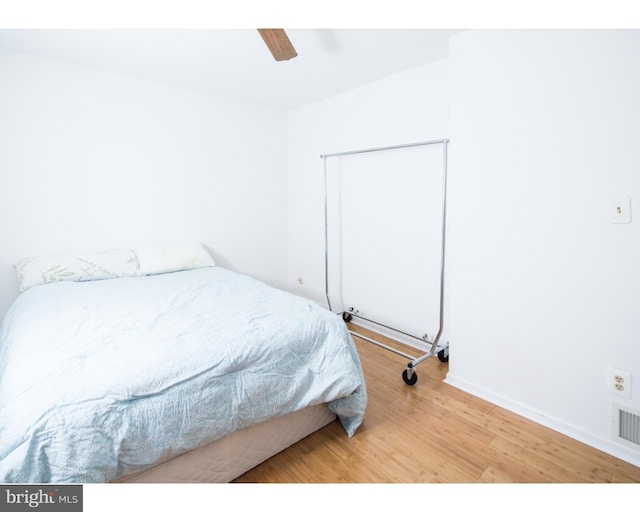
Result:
{"points": [[218, 258], [8, 287]]}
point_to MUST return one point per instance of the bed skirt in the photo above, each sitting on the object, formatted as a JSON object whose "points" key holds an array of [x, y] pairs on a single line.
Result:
{"points": [[231, 456]]}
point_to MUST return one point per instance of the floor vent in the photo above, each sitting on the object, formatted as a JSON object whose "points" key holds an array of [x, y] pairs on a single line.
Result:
{"points": [[626, 426]]}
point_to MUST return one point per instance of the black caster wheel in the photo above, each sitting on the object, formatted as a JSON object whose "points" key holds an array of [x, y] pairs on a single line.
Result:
{"points": [[443, 355], [346, 317], [409, 380]]}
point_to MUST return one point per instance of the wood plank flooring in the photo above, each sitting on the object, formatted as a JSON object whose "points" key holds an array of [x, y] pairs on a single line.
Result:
{"points": [[432, 432]]}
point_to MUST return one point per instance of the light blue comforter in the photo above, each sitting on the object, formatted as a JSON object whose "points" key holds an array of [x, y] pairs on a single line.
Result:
{"points": [[105, 378]]}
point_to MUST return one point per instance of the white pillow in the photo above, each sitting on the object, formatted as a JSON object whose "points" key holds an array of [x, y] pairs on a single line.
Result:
{"points": [[171, 258], [83, 267]]}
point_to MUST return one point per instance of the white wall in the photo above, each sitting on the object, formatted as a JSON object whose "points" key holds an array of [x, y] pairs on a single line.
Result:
{"points": [[92, 160], [544, 292], [408, 107]]}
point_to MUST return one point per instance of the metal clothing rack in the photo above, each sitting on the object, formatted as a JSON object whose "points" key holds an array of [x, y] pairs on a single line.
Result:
{"points": [[409, 375]]}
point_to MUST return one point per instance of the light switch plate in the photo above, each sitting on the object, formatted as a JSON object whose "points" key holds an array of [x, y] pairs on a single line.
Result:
{"points": [[620, 210]]}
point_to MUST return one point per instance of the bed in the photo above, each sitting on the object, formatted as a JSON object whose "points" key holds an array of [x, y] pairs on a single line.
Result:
{"points": [[189, 375]]}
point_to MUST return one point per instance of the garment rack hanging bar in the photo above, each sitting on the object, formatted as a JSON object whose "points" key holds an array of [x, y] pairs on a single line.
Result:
{"points": [[409, 375], [386, 148]]}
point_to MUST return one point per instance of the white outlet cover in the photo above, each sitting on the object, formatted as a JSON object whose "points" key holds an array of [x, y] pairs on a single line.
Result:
{"points": [[620, 210], [625, 382]]}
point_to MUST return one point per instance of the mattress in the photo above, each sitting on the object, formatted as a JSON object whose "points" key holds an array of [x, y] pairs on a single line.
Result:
{"points": [[104, 379]]}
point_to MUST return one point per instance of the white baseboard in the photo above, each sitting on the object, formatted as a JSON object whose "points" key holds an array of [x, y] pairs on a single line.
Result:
{"points": [[605, 445]]}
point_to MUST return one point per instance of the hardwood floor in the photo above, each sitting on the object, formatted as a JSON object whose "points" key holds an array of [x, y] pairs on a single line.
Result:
{"points": [[432, 432]]}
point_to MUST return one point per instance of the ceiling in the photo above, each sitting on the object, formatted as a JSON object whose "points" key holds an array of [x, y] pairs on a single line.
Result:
{"points": [[235, 63]]}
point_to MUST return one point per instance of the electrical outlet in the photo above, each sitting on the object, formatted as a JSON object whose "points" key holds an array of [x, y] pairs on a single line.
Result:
{"points": [[619, 382]]}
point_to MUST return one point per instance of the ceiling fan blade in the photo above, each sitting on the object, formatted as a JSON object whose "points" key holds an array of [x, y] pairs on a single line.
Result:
{"points": [[278, 43]]}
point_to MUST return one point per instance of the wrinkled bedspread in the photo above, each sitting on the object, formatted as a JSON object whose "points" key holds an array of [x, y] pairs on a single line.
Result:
{"points": [[101, 379]]}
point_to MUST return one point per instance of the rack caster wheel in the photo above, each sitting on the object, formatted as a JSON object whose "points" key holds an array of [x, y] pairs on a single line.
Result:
{"points": [[443, 355], [409, 380], [346, 317]]}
